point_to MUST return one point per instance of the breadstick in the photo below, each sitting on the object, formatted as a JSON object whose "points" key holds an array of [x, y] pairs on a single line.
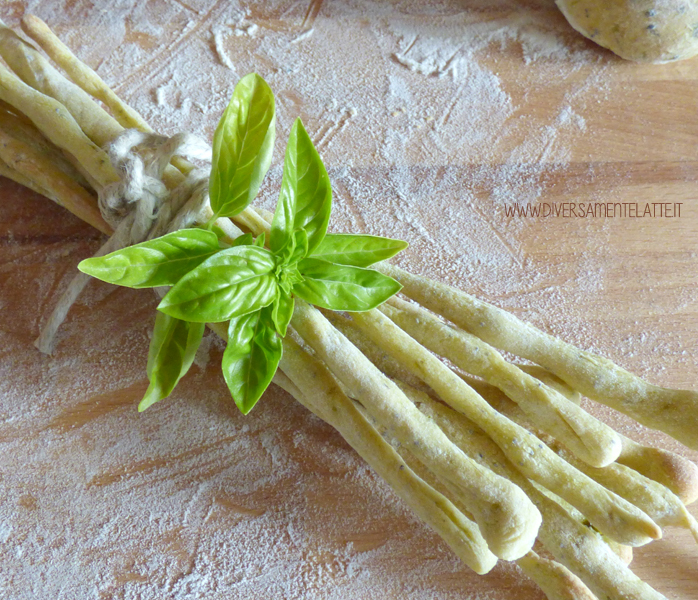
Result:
{"points": [[41, 170], [504, 405], [58, 125], [589, 439], [552, 380], [507, 519], [315, 388], [672, 471], [610, 514], [382, 360], [10, 173], [672, 411], [657, 501], [32, 68], [675, 472], [81, 74], [563, 534], [555, 580]]}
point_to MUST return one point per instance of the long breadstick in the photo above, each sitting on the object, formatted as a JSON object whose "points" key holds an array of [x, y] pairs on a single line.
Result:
{"points": [[589, 439], [672, 411], [675, 472], [507, 519], [553, 381], [81, 74], [555, 580], [323, 397], [31, 66], [59, 126], [41, 170], [610, 514], [575, 545], [662, 505]]}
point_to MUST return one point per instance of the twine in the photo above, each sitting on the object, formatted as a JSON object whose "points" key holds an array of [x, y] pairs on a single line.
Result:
{"points": [[139, 206]]}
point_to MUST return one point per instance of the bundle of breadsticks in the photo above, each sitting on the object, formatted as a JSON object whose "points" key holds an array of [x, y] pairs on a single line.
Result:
{"points": [[494, 456]]}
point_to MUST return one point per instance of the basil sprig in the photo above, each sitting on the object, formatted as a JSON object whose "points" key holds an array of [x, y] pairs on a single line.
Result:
{"points": [[246, 283]]}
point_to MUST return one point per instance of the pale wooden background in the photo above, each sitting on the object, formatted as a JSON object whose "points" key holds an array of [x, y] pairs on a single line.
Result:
{"points": [[102, 502]]}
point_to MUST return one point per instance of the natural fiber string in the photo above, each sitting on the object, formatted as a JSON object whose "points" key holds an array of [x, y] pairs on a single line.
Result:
{"points": [[139, 206]]}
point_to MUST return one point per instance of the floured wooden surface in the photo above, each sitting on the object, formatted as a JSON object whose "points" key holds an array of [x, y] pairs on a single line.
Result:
{"points": [[429, 121]]}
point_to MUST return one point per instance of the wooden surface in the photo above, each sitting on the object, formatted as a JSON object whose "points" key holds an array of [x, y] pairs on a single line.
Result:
{"points": [[192, 500]]}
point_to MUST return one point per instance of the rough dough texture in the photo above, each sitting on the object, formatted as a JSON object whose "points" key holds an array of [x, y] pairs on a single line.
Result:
{"points": [[654, 31]]}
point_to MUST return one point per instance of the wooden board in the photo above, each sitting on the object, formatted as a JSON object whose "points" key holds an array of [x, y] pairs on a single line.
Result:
{"points": [[431, 121]]}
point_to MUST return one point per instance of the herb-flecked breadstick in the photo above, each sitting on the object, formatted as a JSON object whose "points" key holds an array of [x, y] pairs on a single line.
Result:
{"points": [[660, 503], [572, 543], [552, 380], [314, 387], [31, 66], [674, 472], [58, 125], [41, 170], [554, 579], [507, 519], [81, 74], [672, 411], [677, 473], [589, 439], [501, 403], [610, 514]]}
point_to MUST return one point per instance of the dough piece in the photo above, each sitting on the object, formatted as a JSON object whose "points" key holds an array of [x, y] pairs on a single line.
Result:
{"points": [[653, 31]]}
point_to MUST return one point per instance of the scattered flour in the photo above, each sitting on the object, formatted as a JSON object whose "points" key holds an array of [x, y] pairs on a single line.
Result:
{"points": [[425, 118]]}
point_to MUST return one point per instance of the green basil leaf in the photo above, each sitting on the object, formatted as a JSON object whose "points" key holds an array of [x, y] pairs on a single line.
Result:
{"points": [[251, 357], [282, 311], [261, 240], [172, 351], [162, 261], [232, 282], [341, 287], [357, 250], [243, 240], [305, 200], [242, 147], [300, 242]]}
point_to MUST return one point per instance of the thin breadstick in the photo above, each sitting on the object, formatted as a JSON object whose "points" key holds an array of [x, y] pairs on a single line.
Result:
{"points": [[502, 404], [21, 128], [578, 547], [57, 124], [675, 472], [313, 386], [672, 411], [382, 360], [10, 173], [81, 74], [555, 580], [589, 439], [656, 500], [41, 170], [32, 68], [553, 381], [507, 519], [610, 514]]}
